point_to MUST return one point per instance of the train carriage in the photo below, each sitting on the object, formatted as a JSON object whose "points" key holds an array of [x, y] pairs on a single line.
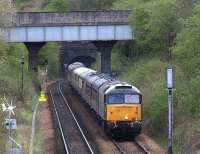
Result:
{"points": [[92, 91], [85, 90]]}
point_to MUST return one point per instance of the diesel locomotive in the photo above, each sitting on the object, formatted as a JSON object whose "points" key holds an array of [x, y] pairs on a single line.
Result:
{"points": [[117, 104]]}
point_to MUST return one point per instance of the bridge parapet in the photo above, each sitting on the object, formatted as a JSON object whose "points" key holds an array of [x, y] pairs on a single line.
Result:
{"points": [[113, 17]]}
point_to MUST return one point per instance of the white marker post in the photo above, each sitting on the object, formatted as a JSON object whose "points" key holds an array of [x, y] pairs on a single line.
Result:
{"points": [[170, 86]]}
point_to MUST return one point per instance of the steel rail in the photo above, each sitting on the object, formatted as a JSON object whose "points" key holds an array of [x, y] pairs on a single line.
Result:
{"points": [[118, 147], [81, 131], [59, 123], [135, 142], [142, 147]]}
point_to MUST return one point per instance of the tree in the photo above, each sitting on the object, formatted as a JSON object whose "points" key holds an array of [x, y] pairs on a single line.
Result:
{"points": [[96, 4], [66, 5], [187, 43], [187, 53], [152, 21], [58, 5], [7, 11], [6, 15]]}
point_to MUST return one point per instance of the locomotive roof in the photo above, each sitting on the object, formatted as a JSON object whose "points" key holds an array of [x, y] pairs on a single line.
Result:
{"points": [[122, 85], [75, 65], [81, 70]]}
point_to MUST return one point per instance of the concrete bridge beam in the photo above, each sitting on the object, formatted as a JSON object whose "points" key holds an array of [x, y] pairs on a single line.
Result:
{"points": [[33, 49], [105, 48]]}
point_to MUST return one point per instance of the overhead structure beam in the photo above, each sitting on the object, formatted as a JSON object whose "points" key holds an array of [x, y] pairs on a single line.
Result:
{"points": [[69, 33], [103, 25]]}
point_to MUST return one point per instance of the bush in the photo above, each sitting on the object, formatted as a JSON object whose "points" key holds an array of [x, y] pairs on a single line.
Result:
{"points": [[57, 5], [152, 22], [51, 52], [188, 54]]}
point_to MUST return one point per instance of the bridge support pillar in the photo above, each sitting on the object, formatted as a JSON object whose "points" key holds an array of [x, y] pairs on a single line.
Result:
{"points": [[105, 48], [33, 49]]}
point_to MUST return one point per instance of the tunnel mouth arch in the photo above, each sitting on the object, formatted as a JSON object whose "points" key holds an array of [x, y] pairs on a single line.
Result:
{"points": [[86, 60]]}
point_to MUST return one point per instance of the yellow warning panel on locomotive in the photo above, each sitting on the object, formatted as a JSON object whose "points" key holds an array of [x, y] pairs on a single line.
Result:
{"points": [[124, 112], [42, 97]]}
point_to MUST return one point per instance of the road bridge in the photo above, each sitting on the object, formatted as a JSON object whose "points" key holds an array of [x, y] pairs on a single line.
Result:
{"points": [[103, 28]]}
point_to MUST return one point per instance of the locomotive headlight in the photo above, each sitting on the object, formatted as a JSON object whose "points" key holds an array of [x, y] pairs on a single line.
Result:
{"points": [[126, 117]]}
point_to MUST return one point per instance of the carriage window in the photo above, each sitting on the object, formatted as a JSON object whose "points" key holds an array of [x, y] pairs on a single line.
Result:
{"points": [[132, 99], [115, 98]]}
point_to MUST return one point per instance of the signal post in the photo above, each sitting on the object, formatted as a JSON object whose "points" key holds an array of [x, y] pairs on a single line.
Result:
{"points": [[170, 86]]}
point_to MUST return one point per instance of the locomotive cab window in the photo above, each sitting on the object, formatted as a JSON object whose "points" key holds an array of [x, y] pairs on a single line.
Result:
{"points": [[123, 98], [115, 98], [129, 98]]}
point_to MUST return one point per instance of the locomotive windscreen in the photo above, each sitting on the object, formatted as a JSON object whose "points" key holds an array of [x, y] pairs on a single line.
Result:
{"points": [[115, 98], [123, 98], [132, 98]]}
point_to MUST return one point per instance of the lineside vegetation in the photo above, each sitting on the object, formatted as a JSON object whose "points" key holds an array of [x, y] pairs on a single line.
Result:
{"points": [[10, 83], [160, 26]]}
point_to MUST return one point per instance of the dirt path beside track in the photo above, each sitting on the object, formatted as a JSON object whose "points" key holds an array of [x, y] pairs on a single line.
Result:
{"points": [[45, 125]]}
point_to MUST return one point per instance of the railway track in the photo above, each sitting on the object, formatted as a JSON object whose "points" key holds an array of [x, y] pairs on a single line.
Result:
{"points": [[127, 146], [73, 137], [70, 107], [142, 147], [130, 147]]}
